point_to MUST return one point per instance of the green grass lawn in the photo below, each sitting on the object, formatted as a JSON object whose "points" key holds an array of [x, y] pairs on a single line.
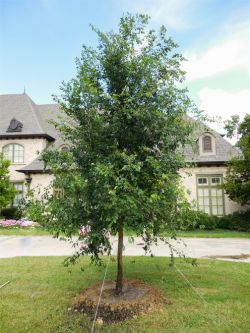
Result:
{"points": [[41, 291], [217, 233], [4, 231]]}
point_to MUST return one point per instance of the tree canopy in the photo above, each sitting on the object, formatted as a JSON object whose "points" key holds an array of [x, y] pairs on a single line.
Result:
{"points": [[7, 190], [237, 181], [125, 119]]}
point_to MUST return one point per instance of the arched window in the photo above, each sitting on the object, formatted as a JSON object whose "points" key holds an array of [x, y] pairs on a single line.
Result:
{"points": [[14, 152], [207, 143]]}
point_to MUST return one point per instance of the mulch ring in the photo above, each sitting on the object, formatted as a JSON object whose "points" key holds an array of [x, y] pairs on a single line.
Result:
{"points": [[137, 298]]}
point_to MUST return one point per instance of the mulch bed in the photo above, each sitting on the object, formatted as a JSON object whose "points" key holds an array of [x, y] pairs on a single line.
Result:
{"points": [[137, 298]]}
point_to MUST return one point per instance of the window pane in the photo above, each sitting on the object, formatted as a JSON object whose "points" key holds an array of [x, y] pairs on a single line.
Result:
{"points": [[7, 152], [207, 143], [200, 201], [213, 192], [214, 201], [18, 187], [214, 210], [14, 153], [220, 210], [200, 192], [202, 181], [206, 201], [220, 201], [206, 192], [206, 209], [215, 180], [19, 194], [18, 154], [219, 193]]}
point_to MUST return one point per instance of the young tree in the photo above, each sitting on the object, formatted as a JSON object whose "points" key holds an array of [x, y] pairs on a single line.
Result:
{"points": [[237, 181], [125, 122], [7, 190]]}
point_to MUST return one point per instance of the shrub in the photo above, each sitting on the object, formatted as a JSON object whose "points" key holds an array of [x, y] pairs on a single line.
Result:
{"points": [[198, 220], [205, 221], [239, 221], [11, 213]]}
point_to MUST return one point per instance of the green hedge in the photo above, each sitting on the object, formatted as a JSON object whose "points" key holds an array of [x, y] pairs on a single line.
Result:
{"points": [[200, 220], [11, 213], [236, 221]]}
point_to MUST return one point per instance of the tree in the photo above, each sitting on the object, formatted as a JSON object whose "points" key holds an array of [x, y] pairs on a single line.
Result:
{"points": [[125, 122], [237, 181], [7, 190]]}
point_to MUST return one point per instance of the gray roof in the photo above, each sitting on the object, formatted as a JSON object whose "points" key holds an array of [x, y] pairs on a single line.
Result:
{"points": [[33, 117], [224, 150], [36, 166], [35, 123]]}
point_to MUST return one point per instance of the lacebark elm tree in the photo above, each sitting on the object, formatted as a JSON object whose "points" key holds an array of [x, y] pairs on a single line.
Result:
{"points": [[125, 123]]}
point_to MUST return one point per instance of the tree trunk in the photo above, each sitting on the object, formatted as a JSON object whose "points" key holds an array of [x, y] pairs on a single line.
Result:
{"points": [[119, 278]]}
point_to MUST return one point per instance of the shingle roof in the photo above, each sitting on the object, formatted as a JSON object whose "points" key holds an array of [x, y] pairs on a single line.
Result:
{"points": [[35, 123], [33, 117], [224, 150], [35, 166]]}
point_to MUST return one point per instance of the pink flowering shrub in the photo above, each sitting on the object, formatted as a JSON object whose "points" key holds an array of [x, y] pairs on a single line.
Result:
{"points": [[84, 231], [17, 223], [84, 234]]}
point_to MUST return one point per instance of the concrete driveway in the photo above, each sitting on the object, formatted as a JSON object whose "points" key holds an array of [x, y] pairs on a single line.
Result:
{"points": [[236, 249]]}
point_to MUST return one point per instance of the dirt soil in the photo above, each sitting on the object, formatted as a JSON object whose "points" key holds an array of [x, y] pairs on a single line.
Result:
{"points": [[137, 298]]}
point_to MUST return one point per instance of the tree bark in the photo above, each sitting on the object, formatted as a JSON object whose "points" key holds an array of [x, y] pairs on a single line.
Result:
{"points": [[119, 278]]}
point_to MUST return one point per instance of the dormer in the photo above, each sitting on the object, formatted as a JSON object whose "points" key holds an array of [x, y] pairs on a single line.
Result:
{"points": [[207, 144]]}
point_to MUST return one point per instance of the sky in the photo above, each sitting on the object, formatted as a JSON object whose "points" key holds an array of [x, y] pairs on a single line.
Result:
{"points": [[40, 40]]}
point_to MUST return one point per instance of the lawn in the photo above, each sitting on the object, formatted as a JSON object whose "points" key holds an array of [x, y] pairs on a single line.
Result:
{"points": [[41, 290], [15, 231], [217, 233], [198, 233]]}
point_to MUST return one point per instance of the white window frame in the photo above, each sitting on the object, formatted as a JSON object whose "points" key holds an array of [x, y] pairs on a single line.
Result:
{"points": [[210, 187], [9, 153]]}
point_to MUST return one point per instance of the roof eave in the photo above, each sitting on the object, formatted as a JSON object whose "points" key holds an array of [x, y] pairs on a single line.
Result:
{"points": [[204, 163], [32, 171], [27, 136]]}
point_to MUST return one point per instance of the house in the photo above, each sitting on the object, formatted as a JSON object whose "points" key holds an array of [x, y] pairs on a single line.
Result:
{"points": [[25, 132]]}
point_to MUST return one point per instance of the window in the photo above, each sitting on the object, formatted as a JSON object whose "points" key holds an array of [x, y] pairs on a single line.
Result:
{"points": [[19, 195], [210, 198], [14, 152], [207, 143], [202, 181]]}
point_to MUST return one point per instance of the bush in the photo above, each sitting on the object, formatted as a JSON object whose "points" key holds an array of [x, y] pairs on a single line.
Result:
{"points": [[197, 220], [11, 213], [205, 221], [239, 221]]}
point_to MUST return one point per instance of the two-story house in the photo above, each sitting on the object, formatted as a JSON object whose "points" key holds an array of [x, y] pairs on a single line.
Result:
{"points": [[25, 132]]}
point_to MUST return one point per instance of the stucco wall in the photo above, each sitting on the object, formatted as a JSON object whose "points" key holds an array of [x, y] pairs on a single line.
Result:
{"points": [[39, 182], [31, 149], [189, 182]]}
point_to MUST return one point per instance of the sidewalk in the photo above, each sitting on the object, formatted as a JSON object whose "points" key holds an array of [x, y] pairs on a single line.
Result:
{"points": [[15, 246]]}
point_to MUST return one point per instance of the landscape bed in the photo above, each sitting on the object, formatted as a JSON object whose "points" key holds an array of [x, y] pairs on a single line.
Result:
{"points": [[40, 295]]}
